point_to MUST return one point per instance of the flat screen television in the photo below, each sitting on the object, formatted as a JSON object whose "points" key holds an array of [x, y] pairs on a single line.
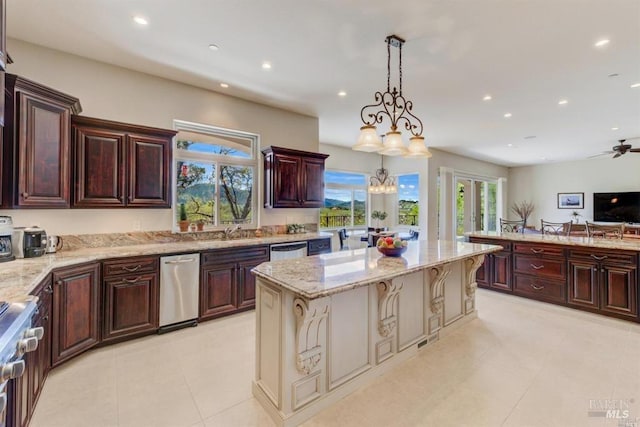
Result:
{"points": [[616, 207]]}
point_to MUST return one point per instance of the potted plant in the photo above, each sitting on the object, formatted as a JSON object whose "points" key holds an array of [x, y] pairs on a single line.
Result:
{"points": [[523, 210], [378, 216], [200, 224], [576, 215], [183, 223]]}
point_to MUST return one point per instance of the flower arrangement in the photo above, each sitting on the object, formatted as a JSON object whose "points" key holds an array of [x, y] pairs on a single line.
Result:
{"points": [[523, 210]]}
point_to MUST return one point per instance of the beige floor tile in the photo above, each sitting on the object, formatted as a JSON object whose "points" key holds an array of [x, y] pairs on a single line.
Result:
{"points": [[246, 413]]}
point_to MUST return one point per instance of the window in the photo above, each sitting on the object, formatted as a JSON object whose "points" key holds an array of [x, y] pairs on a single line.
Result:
{"points": [[345, 200], [408, 208], [215, 175]]}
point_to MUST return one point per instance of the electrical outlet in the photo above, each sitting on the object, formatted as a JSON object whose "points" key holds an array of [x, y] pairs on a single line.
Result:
{"points": [[137, 226]]}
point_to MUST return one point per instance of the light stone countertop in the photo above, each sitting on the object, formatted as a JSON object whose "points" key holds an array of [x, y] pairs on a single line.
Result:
{"points": [[630, 244], [18, 278], [327, 274]]}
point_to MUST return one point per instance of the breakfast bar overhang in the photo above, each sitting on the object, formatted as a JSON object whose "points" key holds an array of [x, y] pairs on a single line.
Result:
{"points": [[327, 325]]}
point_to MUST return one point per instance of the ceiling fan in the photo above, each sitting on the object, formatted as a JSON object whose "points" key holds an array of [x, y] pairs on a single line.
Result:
{"points": [[620, 149]]}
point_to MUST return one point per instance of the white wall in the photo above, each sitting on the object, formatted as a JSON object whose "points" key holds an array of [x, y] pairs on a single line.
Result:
{"points": [[115, 93], [541, 184]]}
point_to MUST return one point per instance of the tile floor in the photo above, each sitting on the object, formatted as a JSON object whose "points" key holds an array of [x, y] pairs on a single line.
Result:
{"points": [[521, 363]]}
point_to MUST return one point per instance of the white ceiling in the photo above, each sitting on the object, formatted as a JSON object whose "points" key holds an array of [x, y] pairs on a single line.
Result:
{"points": [[527, 54]]}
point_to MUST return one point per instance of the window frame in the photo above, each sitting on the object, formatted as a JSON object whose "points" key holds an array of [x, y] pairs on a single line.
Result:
{"points": [[218, 161], [352, 189]]}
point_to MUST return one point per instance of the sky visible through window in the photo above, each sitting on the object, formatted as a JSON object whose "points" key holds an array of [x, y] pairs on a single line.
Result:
{"points": [[408, 187]]}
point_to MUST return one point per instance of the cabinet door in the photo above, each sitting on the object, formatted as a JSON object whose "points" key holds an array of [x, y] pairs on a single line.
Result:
{"points": [[483, 273], [247, 283], [218, 293], [75, 311], [42, 359], [286, 181], [618, 290], [130, 305], [43, 152], [18, 404], [149, 176], [501, 271], [312, 183], [583, 283], [98, 168]]}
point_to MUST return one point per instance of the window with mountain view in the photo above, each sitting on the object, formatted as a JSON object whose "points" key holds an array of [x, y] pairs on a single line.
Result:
{"points": [[345, 200], [408, 186], [215, 175]]}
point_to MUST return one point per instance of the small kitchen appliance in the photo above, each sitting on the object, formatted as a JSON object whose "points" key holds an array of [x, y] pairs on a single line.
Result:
{"points": [[29, 242], [54, 243], [6, 231]]}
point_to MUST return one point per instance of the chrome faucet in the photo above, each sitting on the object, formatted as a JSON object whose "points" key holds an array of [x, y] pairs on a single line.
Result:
{"points": [[230, 231]]}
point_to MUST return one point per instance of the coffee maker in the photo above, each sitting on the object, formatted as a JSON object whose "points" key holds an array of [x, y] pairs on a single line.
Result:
{"points": [[6, 231], [29, 242]]}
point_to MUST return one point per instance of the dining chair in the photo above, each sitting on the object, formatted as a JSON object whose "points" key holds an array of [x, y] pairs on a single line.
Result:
{"points": [[614, 231], [507, 226], [342, 235], [555, 228]]}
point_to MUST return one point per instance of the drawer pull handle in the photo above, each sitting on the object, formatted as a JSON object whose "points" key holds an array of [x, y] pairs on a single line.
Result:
{"points": [[131, 282], [537, 267], [132, 269], [599, 258], [537, 251], [537, 288]]}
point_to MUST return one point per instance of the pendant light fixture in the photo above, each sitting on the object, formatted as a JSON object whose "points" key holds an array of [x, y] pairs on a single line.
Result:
{"points": [[382, 182], [394, 106]]}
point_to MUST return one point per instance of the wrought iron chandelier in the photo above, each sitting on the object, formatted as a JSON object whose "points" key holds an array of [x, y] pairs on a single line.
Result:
{"points": [[382, 182], [393, 105]]}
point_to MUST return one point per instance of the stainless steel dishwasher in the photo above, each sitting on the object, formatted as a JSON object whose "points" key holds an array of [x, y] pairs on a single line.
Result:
{"points": [[179, 284]]}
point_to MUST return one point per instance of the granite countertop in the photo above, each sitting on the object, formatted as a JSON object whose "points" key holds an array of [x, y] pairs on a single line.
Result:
{"points": [[323, 275], [18, 278], [631, 244]]}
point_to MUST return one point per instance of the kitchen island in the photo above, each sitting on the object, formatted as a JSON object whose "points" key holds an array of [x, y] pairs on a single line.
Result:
{"points": [[327, 325]]}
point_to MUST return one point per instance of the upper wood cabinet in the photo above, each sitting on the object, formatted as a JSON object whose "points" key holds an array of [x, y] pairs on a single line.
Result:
{"points": [[118, 164], [293, 178], [36, 145]]}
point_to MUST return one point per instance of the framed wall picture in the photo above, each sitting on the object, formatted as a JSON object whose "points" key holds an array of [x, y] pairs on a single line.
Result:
{"points": [[570, 200]]}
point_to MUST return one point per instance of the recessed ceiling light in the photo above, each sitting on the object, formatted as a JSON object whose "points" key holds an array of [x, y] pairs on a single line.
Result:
{"points": [[563, 102], [214, 47], [266, 65], [543, 158], [342, 93], [140, 20], [601, 43], [507, 115], [224, 85], [635, 85], [614, 128], [509, 145], [487, 98]]}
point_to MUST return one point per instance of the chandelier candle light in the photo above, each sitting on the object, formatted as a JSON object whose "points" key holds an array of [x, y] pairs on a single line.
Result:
{"points": [[393, 105], [382, 183]]}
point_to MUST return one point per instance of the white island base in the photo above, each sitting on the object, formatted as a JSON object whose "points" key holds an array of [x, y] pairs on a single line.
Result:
{"points": [[311, 352]]}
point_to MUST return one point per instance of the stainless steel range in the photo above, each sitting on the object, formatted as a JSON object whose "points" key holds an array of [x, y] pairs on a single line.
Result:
{"points": [[17, 337]]}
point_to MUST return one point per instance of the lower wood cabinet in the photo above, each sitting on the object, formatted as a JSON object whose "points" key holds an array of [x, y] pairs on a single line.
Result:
{"points": [[76, 294], [319, 246], [496, 271], [226, 283]]}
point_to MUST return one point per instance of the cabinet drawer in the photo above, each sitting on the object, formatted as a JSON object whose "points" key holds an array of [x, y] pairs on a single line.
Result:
{"points": [[506, 245], [531, 249], [223, 256], [618, 257], [130, 265], [538, 288], [319, 246], [555, 268]]}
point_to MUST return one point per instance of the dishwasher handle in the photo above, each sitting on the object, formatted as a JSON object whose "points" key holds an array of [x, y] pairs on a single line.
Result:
{"points": [[181, 261], [288, 247]]}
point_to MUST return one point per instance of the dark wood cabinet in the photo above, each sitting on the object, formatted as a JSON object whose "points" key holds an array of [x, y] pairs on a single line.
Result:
{"points": [[134, 164], [226, 283], [293, 178], [130, 303], [36, 145], [75, 311], [604, 281], [496, 271], [540, 271], [319, 246]]}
